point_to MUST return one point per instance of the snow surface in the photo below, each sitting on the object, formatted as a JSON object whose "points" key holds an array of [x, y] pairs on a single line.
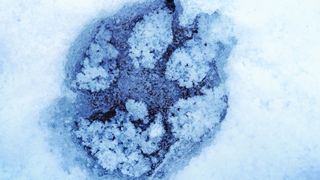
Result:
{"points": [[150, 38], [272, 127], [92, 78], [136, 109], [197, 115], [123, 124], [187, 68], [118, 147], [189, 64]]}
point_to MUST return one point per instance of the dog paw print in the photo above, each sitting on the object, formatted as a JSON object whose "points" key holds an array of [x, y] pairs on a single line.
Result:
{"points": [[148, 91]]}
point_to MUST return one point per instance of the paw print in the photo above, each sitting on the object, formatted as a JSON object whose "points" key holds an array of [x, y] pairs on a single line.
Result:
{"points": [[152, 86]]}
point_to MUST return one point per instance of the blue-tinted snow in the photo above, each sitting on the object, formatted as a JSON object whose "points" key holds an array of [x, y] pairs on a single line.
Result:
{"points": [[135, 104], [272, 127]]}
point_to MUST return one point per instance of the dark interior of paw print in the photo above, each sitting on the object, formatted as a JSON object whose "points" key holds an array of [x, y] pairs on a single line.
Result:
{"points": [[148, 89]]}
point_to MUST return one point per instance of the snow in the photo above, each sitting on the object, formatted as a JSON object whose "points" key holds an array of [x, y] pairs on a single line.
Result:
{"points": [[215, 29], [118, 144], [36, 36], [137, 109], [150, 39], [92, 78], [186, 69], [156, 129], [272, 127], [190, 64], [195, 116], [126, 116], [192, 8]]}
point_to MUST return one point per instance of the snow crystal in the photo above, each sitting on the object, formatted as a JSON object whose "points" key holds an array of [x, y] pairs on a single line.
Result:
{"points": [[150, 38], [116, 144], [187, 68], [96, 54], [92, 78], [137, 109], [156, 129], [189, 64], [192, 8], [192, 118]]}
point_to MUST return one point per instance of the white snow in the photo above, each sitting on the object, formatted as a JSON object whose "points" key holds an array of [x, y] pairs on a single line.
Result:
{"points": [[188, 69], [150, 39], [136, 109], [93, 78], [36, 36], [119, 148], [272, 127], [193, 7], [197, 115], [190, 64], [156, 128]]}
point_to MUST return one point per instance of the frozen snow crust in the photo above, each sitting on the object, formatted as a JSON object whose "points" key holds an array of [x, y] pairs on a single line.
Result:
{"points": [[148, 91]]}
